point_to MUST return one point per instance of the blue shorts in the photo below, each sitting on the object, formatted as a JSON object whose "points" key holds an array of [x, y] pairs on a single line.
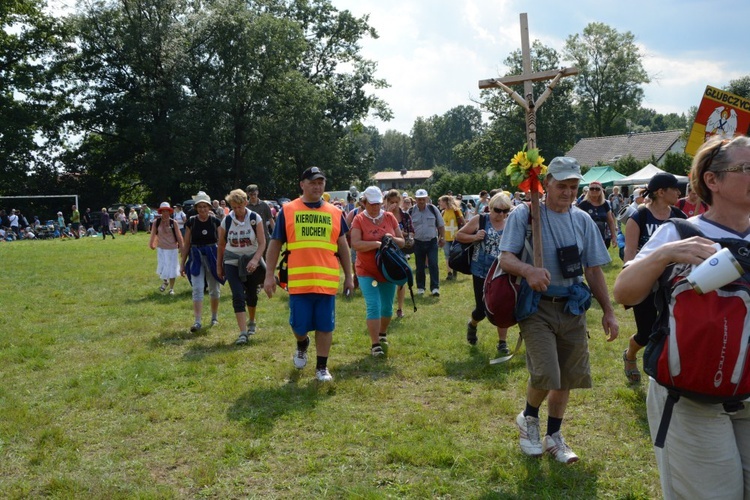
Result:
{"points": [[312, 312]]}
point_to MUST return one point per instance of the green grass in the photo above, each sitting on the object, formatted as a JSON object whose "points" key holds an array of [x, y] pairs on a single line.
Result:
{"points": [[106, 394]]}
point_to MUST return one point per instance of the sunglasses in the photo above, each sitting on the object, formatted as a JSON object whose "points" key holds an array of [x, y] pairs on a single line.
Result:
{"points": [[595, 189], [742, 167], [501, 210]]}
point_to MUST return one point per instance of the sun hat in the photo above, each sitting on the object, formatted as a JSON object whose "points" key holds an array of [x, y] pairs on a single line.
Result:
{"points": [[59, 213], [312, 174], [421, 193], [164, 207], [373, 195], [404, 195], [202, 197], [563, 168]]}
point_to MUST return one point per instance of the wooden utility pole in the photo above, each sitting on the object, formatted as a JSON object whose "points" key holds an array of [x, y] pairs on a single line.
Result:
{"points": [[528, 103]]}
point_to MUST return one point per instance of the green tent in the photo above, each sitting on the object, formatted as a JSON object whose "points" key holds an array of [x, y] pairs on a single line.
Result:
{"points": [[606, 175]]}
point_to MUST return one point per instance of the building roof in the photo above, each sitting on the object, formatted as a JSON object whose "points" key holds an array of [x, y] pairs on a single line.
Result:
{"points": [[593, 150], [396, 175]]}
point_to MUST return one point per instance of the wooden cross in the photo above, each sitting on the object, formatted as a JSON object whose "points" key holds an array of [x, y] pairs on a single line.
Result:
{"points": [[528, 103]]}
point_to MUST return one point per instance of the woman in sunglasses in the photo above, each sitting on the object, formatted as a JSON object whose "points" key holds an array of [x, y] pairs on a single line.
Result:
{"points": [[595, 204], [488, 241]]}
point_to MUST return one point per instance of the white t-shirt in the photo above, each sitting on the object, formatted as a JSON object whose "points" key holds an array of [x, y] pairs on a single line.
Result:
{"points": [[241, 238], [181, 218]]}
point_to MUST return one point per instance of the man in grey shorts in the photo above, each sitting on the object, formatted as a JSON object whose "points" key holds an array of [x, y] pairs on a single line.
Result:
{"points": [[555, 334]]}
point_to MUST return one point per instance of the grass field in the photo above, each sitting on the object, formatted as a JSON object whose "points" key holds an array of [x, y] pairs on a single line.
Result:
{"points": [[106, 394]]}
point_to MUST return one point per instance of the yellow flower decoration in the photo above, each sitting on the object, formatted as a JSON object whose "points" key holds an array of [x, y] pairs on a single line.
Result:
{"points": [[523, 165]]}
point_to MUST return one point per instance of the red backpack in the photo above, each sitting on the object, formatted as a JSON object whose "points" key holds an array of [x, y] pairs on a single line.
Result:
{"points": [[699, 345]]}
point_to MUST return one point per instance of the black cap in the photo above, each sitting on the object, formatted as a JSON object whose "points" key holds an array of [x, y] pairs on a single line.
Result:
{"points": [[312, 173], [662, 180]]}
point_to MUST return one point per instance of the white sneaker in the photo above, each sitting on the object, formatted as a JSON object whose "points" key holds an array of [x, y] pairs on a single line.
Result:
{"points": [[435, 292], [214, 322], [529, 440], [556, 446], [300, 359], [323, 375], [420, 291]]}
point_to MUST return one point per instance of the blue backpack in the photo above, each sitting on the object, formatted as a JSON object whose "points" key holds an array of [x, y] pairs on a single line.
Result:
{"points": [[393, 264]]}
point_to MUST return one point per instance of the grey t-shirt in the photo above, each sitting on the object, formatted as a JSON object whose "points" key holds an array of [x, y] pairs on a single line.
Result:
{"points": [[558, 230], [426, 222]]}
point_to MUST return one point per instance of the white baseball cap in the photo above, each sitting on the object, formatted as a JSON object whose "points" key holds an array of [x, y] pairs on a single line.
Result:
{"points": [[373, 195], [421, 193]]}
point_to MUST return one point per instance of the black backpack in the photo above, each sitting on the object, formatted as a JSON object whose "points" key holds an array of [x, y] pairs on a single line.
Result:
{"points": [[393, 264]]}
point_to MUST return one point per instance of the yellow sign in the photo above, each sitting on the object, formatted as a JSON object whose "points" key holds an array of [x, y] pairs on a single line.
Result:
{"points": [[720, 113]]}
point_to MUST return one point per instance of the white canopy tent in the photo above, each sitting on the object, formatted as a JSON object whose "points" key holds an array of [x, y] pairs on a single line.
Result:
{"points": [[644, 175]]}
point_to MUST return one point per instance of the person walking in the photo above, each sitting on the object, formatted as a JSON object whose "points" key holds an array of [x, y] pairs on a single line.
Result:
{"points": [[663, 193], [242, 241], [199, 259], [368, 229], [429, 236], [599, 210], [261, 208], [453, 220], [314, 232], [167, 241], [133, 220], [485, 231], [393, 203], [707, 449], [75, 222], [105, 223], [555, 332]]}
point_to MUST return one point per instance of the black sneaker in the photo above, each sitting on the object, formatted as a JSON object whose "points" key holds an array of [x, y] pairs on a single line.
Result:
{"points": [[502, 348], [471, 334]]}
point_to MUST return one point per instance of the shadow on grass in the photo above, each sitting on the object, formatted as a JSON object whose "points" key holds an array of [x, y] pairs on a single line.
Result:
{"points": [[546, 478], [367, 367], [176, 337], [633, 396], [260, 409], [477, 367]]}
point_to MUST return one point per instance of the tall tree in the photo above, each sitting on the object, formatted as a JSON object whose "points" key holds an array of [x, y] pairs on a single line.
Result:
{"points": [[739, 86], [30, 100], [609, 81], [394, 152]]}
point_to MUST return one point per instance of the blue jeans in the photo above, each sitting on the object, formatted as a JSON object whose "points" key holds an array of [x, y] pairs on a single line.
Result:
{"points": [[428, 250]]}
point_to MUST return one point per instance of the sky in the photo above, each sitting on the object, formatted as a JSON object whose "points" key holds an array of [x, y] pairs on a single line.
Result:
{"points": [[434, 52]]}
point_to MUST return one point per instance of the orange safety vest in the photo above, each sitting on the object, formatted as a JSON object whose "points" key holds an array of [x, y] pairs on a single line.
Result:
{"points": [[312, 241]]}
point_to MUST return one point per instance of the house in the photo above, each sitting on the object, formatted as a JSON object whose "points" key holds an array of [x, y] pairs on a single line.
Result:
{"points": [[606, 150], [404, 179]]}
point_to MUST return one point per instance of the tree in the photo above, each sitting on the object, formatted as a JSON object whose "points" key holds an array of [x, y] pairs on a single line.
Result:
{"points": [[394, 153], [608, 85], [740, 86], [30, 101]]}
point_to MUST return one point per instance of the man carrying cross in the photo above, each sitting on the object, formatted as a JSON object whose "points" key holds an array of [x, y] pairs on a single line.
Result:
{"points": [[555, 331]]}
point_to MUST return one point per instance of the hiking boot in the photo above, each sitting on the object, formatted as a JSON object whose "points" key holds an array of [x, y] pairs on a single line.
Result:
{"points": [[556, 446], [196, 326], [251, 328], [529, 439], [242, 339], [323, 375], [502, 348], [377, 351], [471, 334], [300, 359]]}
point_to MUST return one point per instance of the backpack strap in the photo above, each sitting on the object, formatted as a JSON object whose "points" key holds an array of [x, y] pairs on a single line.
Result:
{"points": [[666, 416]]}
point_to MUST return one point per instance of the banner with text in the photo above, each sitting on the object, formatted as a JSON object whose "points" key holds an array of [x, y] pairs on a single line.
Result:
{"points": [[720, 113]]}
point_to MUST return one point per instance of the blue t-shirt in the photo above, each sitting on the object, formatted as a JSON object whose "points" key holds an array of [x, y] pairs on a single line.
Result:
{"points": [[558, 230], [279, 231]]}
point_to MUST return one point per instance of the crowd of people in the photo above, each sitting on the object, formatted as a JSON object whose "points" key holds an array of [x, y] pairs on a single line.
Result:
{"points": [[244, 241]]}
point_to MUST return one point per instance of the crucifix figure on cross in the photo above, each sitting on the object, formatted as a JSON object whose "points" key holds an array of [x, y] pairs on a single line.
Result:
{"points": [[528, 103]]}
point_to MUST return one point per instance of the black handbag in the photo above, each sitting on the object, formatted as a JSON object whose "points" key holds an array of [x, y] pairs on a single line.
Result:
{"points": [[460, 256]]}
